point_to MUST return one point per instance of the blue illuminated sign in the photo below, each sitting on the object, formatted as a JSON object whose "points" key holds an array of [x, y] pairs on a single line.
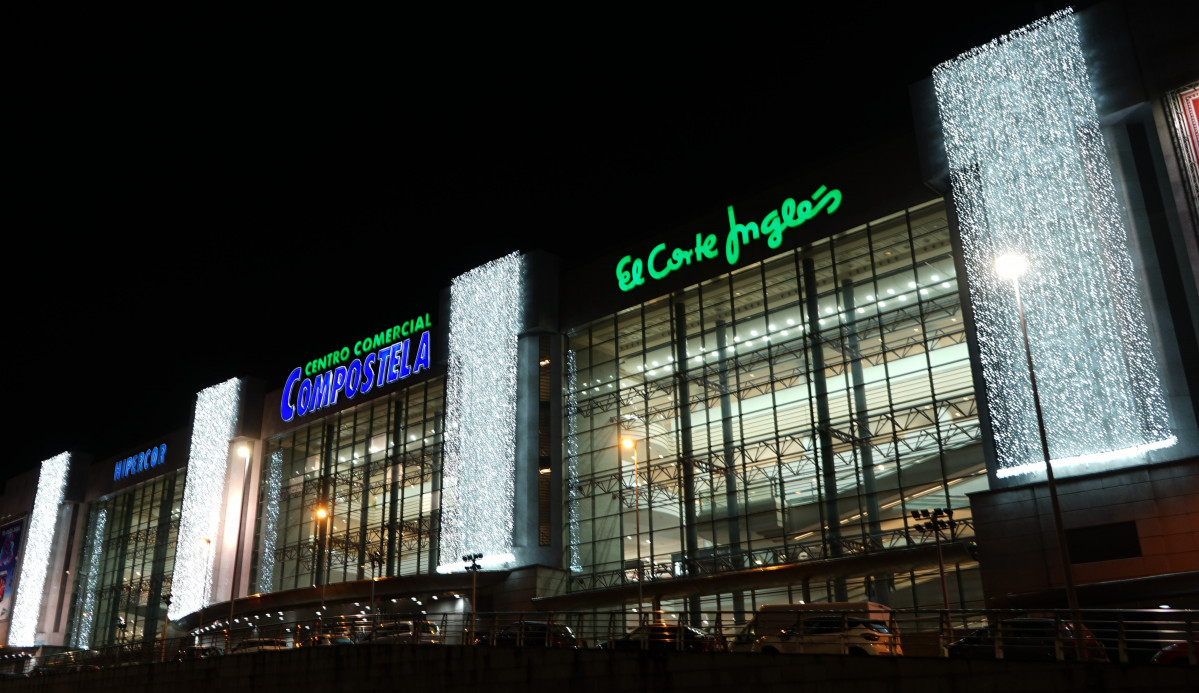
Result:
{"points": [[379, 360], [135, 464]]}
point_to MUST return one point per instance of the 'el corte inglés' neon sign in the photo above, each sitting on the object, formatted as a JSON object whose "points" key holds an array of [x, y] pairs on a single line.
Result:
{"points": [[377, 360], [659, 264]]}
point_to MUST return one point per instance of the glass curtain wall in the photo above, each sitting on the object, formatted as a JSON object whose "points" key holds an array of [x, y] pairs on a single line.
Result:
{"points": [[126, 562], [376, 468], [796, 409]]}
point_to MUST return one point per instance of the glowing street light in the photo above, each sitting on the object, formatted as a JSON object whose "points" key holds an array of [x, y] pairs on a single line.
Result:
{"points": [[630, 444], [323, 513], [1012, 267]]}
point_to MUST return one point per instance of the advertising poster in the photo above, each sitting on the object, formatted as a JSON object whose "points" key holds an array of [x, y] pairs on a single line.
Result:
{"points": [[10, 548]]}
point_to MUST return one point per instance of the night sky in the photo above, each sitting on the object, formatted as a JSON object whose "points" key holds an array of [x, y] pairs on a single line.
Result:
{"points": [[197, 197]]}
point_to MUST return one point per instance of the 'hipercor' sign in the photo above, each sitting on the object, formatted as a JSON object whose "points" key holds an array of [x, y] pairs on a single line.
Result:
{"points": [[393, 354], [140, 462]]}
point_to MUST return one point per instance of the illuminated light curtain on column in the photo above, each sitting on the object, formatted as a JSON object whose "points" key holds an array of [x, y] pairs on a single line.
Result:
{"points": [[214, 427], [91, 573], [273, 490], [27, 608], [1030, 176], [572, 458], [479, 467]]}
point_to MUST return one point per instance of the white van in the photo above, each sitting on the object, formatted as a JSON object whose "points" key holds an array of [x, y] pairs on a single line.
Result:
{"points": [[854, 628]]}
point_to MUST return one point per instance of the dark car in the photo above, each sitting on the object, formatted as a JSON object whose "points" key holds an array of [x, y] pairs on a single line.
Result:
{"points": [[531, 634], [660, 635], [194, 652], [1043, 639]]}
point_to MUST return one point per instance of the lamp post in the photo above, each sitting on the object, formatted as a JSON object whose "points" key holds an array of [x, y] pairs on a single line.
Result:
{"points": [[166, 599], [631, 445], [376, 564], [1012, 267], [244, 451], [935, 524], [207, 579], [473, 559], [323, 513]]}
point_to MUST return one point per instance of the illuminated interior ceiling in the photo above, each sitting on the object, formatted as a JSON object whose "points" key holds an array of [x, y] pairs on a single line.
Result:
{"points": [[478, 473], [213, 429], [1030, 176], [35, 564]]}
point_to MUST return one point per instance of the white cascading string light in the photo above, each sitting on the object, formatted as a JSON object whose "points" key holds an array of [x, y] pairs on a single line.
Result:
{"points": [[214, 426], [1030, 176], [27, 606], [478, 473]]}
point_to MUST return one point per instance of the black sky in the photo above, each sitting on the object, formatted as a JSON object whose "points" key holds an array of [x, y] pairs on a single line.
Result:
{"points": [[198, 197]]}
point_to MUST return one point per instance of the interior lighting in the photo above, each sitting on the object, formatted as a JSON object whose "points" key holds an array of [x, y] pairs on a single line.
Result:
{"points": [[214, 425], [1017, 110], [27, 606]]}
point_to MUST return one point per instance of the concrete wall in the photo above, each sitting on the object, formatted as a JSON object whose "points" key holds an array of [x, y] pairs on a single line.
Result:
{"points": [[448, 668], [1018, 546]]}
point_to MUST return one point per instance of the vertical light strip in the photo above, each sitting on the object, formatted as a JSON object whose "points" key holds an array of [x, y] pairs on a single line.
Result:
{"points": [[82, 637], [27, 607], [572, 458], [478, 475], [213, 429], [270, 522], [1030, 176]]}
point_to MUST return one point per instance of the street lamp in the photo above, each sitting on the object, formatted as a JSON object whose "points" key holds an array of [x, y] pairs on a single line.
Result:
{"points": [[1011, 267], [473, 559], [376, 564], [207, 579], [935, 524], [244, 451], [323, 513], [166, 599], [631, 444]]}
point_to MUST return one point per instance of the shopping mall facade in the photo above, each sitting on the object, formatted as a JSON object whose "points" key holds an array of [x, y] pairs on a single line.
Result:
{"points": [[775, 402]]}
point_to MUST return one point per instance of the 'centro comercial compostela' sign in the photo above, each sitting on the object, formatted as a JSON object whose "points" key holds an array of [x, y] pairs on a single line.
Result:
{"points": [[630, 272], [372, 362]]}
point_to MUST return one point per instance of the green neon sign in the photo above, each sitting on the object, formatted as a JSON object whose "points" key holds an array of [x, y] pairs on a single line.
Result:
{"points": [[630, 273]]}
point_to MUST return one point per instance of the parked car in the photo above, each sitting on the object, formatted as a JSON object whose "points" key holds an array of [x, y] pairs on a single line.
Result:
{"points": [[661, 635], [70, 661], [1030, 639], [830, 635], [531, 634], [1174, 653], [411, 632], [194, 652], [853, 628], [261, 645], [327, 640]]}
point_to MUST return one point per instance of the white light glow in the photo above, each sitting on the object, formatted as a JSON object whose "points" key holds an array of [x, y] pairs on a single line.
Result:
{"points": [[27, 607], [572, 459], [214, 426], [1030, 176], [82, 637], [272, 490], [478, 473]]}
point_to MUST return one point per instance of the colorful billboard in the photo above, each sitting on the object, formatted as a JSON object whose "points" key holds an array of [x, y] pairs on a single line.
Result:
{"points": [[10, 553]]}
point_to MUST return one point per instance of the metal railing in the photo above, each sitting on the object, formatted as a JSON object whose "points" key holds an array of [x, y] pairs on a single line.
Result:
{"points": [[1113, 636]]}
